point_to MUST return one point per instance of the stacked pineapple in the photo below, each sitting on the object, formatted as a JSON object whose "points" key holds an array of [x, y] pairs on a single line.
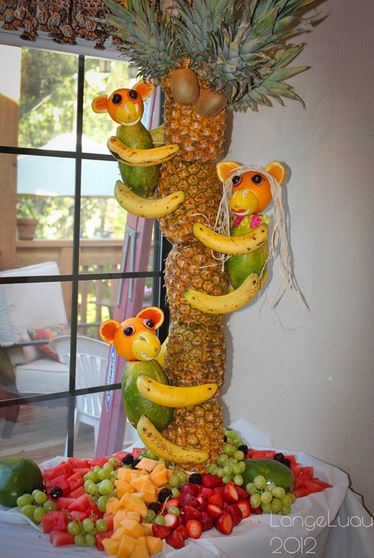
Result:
{"points": [[209, 56]]}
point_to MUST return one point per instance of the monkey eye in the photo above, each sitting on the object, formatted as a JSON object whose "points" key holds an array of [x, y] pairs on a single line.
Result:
{"points": [[129, 330], [256, 179], [117, 98], [150, 324], [236, 180], [133, 94]]}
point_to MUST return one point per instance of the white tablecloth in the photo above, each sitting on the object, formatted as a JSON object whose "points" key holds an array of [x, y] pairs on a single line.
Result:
{"points": [[330, 524]]}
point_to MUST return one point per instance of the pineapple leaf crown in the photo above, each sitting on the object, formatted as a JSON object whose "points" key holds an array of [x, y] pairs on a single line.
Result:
{"points": [[239, 47]]}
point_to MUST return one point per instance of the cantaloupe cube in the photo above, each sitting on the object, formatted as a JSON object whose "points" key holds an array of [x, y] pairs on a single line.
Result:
{"points": [[117, 518], [141, 549], [139, 482], [135, 515], [149, 493], [147, 464], [122, 487], [112, 505], [147, 529], [134, 503], [118, 534], [154, 544], [126, 546], [132, 528], [124, 474], [160, 476], [110, 546]]}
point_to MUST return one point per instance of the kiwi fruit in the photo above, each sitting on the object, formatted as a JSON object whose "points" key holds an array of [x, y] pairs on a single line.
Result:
{"points": [[210, 102], [184, 86]]}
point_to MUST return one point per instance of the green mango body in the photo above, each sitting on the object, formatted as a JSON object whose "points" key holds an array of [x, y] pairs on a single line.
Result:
{"points": [[143, 180], [18, 476], [272, 470], [136, 405]]}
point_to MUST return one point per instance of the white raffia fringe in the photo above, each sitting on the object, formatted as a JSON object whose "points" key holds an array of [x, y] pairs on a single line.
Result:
{"points": [[279, 244]]}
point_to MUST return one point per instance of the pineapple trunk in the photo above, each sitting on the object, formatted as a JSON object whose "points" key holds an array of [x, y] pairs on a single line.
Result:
{"points": [[196, 348]]}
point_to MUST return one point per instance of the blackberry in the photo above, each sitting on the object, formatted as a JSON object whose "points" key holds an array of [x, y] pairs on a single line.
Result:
{"points": [[155, 506], [55, 492], [135, 462], [279, 457], [164, 494], [195, 478], [243, 448], [225, 438], [287, 463], [128, 459]]}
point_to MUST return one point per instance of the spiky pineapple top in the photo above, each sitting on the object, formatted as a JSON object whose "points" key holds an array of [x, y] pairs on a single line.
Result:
{"points": [[239, 47]]}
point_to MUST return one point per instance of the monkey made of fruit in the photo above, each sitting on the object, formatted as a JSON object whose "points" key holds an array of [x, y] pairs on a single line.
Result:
{"points": [[133, 146], [147, 397]]}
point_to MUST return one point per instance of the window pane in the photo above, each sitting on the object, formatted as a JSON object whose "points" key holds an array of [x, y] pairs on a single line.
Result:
{"points": [[39, 430], [38, 98], [32, 314]]}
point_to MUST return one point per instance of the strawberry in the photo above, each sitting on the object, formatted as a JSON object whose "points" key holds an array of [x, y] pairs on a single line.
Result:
{"points": [[214, 511], [219, 489], [245, 508], [230, 494], [185, 498], [235, 512], [160, 531], [224, 524], [206, 521], [191, 488], [207, 492], [194, 528], [217, 500], [171, 520], [243, 494], [172, 502], [211, 481], [257, 511], [191, 513], [183, 531], [175, 539], [202, 501]]}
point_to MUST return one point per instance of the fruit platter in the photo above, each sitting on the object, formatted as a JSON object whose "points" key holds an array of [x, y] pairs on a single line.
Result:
{"points": [[133, 504]]}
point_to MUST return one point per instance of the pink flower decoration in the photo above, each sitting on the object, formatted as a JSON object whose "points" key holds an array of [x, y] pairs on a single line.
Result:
{"points": [[256, 220]]}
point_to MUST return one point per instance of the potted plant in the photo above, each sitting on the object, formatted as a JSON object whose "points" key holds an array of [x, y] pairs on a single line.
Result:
{"points": [[26, 218]]}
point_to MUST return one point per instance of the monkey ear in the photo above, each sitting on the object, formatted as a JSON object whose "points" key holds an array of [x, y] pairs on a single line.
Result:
{"points": [[277, 170], [144, 88], [152, 313], [225, 169], [100, 104], [108, 330]]}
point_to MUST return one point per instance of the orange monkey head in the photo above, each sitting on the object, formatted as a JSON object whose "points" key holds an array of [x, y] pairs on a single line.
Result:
{"points": [[135, 338]]}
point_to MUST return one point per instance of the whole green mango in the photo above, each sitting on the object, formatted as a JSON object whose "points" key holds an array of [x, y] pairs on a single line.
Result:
{"points": [[136, 405], [18, 475], [272, 470]]}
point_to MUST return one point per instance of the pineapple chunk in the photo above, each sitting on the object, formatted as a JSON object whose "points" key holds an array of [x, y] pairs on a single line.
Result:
{"points": [[126, 547], [132, 528], [110, 546], [154, 544], [147, 464]]}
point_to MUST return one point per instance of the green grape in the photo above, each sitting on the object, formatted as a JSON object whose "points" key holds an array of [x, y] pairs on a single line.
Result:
{"points": [[242, 466], [174, 481], [113, 475], [149, 517], [101, 503], [236, 469], [227, 470], [276, 505], [251, 488], [108, 466], [88, 483], [220, 472], [229, 449], [114, 462], [92, 489], [286, 500], [266, 508], [88, 525], [292, 495], [255, 501], [105, 486], [238, 480], [159, 520], [49, 505], [80, 540], [39, 497], [270, 486], [259, 482], [286, 510], [278, 492], [101, 525], [266, 497], [221, 459], [28, 510], [211, 467], [182, 476], [39, 513], [174, 510], [24, 500], [90, 476], [104, 474], [230, 434], [239, 455], [226, 478], [74, 528], [175, 492]]}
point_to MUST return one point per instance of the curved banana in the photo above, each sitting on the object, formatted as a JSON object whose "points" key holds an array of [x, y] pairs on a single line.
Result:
{"points": [[232, 245], [163, 448], [147, 207], [226, 303], [172, 396], [141, 157]]}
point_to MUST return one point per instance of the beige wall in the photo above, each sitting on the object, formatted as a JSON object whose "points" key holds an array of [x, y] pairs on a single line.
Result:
{"points": [[307, 378]]}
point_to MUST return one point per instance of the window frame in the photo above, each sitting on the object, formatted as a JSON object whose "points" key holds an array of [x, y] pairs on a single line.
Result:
{"points": [[160, 250]]}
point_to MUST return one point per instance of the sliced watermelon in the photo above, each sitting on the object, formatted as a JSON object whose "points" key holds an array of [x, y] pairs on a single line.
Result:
{"points": [[78, 463], [74, 481], [48, 522], [79, 514], [83, 503], [260, 454], [77, 492], [109, 521], [60, 538], [63, 503]]}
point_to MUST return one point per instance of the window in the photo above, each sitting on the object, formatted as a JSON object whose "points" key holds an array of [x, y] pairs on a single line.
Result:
{"points": [[85, 262]]}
